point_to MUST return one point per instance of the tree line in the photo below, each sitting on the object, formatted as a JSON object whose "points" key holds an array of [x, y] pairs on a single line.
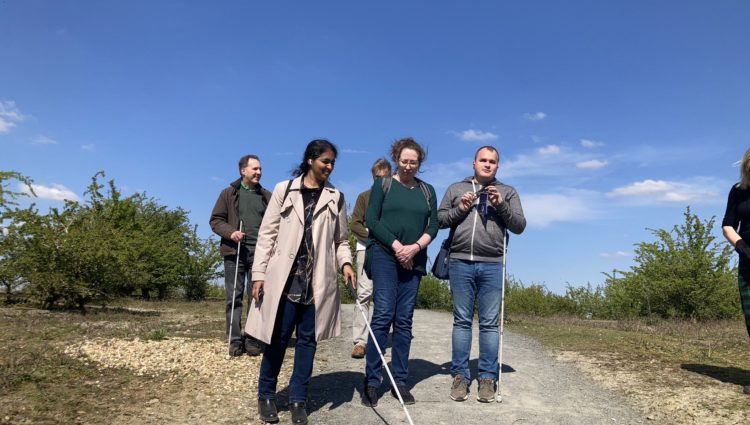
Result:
{"points": [[111, 246], [684, 273], [107, 246]]}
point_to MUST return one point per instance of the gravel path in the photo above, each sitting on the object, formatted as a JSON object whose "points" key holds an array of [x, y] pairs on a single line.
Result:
{"points": [[536, 389]]}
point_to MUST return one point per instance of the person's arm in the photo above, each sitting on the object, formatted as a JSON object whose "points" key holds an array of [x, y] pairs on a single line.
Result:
{"points": [[511, 213], [358, 217], [731, 235], [268, 233], [341, 243], [731, 222], [429, 234], [377, 228], [449, 215], [219, 217]]}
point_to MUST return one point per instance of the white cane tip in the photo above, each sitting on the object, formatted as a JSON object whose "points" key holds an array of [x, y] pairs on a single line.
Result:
{"points": [[228, 357], [499, 398]]}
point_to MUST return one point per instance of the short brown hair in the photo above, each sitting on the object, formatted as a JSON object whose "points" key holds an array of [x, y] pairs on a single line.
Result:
{"points": [[381, 164], [407, 143], [489, 148], [245, 159]]}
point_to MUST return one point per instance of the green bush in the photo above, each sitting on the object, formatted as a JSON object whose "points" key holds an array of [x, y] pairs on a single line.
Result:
{"points": [[684, 274], [434, 294]]}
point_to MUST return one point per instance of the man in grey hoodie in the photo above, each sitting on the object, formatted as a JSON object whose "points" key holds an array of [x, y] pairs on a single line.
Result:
{"points": [[479, 210]]}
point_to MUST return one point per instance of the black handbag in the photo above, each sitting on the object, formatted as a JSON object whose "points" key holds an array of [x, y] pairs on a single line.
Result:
{"points": [[440, 265]]}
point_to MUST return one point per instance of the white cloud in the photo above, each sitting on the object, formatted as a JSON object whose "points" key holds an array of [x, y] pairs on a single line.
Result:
{"points": [[88, 147], [615, 255], [535, 116], [216, 179], [353, 151], [43, 140], [588, 143], [537, 139], [9, 115], [549, 150], [56, 192], [542, 209], [698, 190], [592, 164], [474, 135]]}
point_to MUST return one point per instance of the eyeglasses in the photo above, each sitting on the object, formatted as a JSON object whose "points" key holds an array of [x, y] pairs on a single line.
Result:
{"points": [[405, 163]]}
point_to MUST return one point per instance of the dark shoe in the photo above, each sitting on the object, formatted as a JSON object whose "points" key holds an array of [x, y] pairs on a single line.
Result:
{"points": [[405, 394], [370, 396], [358, 352], [236, 349], [253, 347], [299, 415], [746, 389], [459, 388], [267, 411], [486, 391]]}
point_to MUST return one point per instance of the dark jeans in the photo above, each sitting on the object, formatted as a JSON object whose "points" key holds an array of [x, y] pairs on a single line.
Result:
{"points": [[743, 279], [246, 263], [395, 295], [290, 317]]}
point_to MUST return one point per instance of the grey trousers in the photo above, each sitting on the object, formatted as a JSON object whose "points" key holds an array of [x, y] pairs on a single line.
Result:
{"points": [[244, 279], [364, 294]]}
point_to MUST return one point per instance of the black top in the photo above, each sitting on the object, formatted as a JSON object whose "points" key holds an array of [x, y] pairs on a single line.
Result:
{"points": [[299, 287], [738, 211]]}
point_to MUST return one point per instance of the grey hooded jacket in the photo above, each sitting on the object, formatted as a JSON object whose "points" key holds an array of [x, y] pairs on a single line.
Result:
{"points": [[475, 238]]}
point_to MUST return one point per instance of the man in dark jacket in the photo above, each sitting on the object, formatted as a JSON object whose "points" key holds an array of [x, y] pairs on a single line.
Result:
{"points": [[481, 210], [244, 200]]}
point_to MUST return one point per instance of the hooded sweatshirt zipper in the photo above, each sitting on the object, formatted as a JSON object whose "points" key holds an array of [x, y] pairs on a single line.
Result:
{"points": [[473, 226]]}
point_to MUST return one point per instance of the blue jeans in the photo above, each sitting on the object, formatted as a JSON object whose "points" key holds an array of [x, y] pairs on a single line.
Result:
{"points": [[471, 281], [395, 295], [290, 316]]}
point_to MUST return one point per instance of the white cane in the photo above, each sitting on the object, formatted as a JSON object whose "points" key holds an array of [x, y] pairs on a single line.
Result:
{"points": [[353, 293], [498, 397], [234, 291]]}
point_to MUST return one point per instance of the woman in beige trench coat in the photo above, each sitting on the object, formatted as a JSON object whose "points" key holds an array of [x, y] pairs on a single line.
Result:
{"points": [[302, 238]]}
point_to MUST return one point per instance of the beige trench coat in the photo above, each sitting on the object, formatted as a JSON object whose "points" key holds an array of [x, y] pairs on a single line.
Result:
{"points": [[279, 238]]}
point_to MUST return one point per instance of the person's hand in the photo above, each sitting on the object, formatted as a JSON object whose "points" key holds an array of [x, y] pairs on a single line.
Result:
{"points": [[494, 196], [396, 245], [237, 236], [408, 252], [408, 265], [349, 274], [258, 290], [742, 248], [467, 199]]}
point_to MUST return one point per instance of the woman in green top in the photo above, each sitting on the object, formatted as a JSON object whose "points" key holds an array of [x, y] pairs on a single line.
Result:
{"points": [[402, 219]]}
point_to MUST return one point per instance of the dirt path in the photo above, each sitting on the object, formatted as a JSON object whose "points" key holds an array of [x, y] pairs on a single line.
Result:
{"points": [[191, 382], [537, 389]]}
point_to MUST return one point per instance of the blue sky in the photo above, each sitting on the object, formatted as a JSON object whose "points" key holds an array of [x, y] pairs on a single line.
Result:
{"points": [[611, 117]]}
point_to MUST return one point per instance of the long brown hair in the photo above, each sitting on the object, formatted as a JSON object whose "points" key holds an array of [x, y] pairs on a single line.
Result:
{"points": [[745, 171]]}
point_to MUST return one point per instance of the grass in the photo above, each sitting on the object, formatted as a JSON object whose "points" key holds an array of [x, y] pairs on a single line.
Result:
{"points": [[719, 343], [662, 366], [39, 384]]}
